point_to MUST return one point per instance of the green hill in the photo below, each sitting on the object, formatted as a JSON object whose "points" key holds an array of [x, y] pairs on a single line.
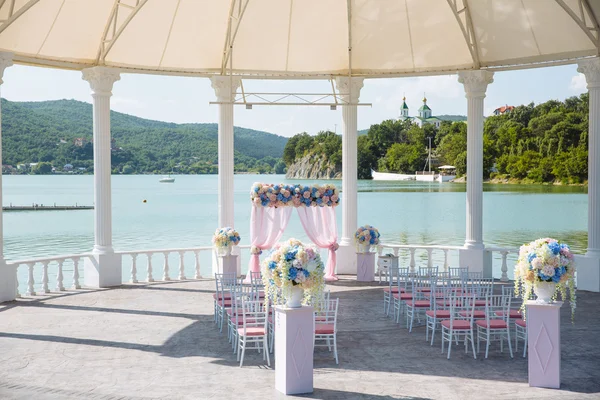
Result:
{"points": [[46, 132]]}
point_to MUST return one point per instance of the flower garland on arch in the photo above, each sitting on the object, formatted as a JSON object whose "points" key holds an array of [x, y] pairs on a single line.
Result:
{"points": [[282, 195]]}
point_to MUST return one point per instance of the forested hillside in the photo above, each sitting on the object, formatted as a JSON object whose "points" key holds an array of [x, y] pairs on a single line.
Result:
{"points": [[543, 143], [49, 131]]}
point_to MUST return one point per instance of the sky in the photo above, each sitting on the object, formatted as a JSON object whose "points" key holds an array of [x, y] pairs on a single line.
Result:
{"points": [[186, 99]]}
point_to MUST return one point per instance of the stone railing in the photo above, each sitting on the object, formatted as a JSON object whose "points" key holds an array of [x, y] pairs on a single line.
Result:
{"points": [[425, 252], [55, 279], [446, 256], [164, 255]]}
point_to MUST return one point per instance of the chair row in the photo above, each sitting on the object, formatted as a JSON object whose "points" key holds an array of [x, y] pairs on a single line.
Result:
{"points": [[248, 316]]}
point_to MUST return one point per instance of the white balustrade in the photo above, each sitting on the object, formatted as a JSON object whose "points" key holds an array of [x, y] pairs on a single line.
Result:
{"points": [[76, 273], [149, 278], [45, 277], [134, 268], [30, 281], [59, 277], [46, 265], [197, 264], [181, 266], [166, 267], [431, 255]]}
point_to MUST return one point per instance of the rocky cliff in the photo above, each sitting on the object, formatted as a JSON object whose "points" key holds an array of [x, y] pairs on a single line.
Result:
{"points": [[313, 167]]}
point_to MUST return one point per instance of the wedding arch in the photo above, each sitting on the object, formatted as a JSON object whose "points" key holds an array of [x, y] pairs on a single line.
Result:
{"points": [[272, 206]]}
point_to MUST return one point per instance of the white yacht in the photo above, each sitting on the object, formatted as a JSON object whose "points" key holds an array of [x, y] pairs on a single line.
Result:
{"points": [[388, 176], [167, 179], [447, 173]]}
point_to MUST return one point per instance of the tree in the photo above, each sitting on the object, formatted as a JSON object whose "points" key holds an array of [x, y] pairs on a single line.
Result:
{"points": [[42, 168], [279, 167]]}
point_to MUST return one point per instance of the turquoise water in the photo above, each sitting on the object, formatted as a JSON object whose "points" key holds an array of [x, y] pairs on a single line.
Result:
{"points": [[184, 214]]}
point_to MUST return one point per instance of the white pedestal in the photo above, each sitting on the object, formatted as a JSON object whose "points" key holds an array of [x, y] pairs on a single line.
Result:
{"points": [[543, 336], [227, 264], [365, 267], [588, 273], [8, 282], [478, 260], [294, 345], [102, 270]]}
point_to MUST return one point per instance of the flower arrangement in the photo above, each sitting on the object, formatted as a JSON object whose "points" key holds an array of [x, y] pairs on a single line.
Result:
{"points": [[293, 264], [280, 195], [546, 261], [367, 235], [225, 237]]}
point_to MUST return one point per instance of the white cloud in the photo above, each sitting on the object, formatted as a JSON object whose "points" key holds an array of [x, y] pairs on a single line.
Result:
{"points": [[578, 83]]}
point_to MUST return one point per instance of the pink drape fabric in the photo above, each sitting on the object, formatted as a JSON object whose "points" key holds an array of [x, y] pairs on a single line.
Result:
{"points": [[320, 226], [267, 225]]}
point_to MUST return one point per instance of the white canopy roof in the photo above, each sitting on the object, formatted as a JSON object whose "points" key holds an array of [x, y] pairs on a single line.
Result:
{"points": [[301, 38], [446, 167]]}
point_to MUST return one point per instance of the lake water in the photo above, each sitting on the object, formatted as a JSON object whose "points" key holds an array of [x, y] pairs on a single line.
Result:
{"points": [[184, 214]]}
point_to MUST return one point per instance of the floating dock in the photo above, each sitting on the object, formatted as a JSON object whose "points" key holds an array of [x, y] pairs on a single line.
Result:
{"points": [[41, 207]]}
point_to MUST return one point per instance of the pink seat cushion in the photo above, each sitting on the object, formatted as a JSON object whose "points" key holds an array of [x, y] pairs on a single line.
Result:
{"points": [[227, 303], [226, 296], [521, 322], [515, 314], [476, 314], [252, 331], [420, 303], [494, 324], [438, 313], [324, 329], [404, 296], [424, 289], [479, 303], [457, 324]]}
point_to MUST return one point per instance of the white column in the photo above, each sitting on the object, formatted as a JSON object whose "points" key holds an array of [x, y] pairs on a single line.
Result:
{"points": [[588, 272], [474, 255], [8, 275], [225, 88], [104, 268], [349, 89]]}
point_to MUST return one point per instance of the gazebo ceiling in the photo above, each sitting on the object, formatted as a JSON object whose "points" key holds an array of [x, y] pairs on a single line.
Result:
{"points": [[299, 38]]}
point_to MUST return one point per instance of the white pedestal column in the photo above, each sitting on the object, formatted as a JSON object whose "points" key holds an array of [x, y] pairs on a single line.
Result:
{"points": [[294, 346], [349, 89], [474, 255], [227, 265], [365, 267], [543, 344], [8, 275], [103, 269], [588, 268]]}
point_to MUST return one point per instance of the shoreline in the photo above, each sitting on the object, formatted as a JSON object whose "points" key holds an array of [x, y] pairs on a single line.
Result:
{"points": [[515, 181]]}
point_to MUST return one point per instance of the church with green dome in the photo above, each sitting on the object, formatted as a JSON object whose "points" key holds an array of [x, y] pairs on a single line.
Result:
{"points": [[425, 115]]}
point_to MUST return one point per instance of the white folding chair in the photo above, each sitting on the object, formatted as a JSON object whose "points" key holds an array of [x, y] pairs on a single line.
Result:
{"points": [[457, 325], [253, 329], [222, 297], [521, 333], [326, 326], [440, 310], [497, 328]]}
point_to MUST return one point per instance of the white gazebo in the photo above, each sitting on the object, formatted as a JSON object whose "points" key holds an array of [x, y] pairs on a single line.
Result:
{"points": [[343, 40]]}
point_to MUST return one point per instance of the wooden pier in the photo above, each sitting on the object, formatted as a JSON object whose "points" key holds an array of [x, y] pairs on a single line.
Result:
{"points": [[41, 207]]}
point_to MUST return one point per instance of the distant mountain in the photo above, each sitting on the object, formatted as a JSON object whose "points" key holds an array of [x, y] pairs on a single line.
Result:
{"points": [[363, 131], [47, 131], [453, 118]]}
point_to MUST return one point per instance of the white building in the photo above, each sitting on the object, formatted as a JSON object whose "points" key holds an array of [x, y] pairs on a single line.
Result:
{"points": [[425, 114]]}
